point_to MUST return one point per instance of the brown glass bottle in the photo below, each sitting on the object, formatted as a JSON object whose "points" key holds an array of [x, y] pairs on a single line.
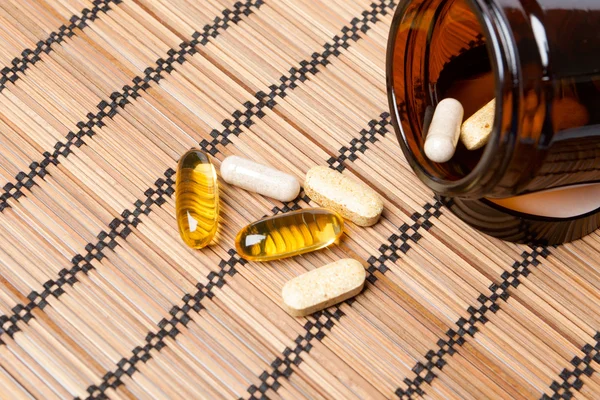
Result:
{"points": [[540, 60]]}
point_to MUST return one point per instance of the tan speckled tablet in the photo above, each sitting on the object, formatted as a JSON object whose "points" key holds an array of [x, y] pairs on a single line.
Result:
{"points": [[352, 199], [323, 287], [475, 131]]}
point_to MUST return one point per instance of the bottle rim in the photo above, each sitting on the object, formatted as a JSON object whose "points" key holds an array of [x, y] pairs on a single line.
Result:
{"points": [[490, 169]]}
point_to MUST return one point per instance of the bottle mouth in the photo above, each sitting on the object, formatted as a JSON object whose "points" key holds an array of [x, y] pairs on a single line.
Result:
{"points": [[451, 48]]}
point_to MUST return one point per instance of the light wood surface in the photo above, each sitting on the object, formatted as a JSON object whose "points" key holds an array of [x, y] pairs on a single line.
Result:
{"points": [[213, 325]]}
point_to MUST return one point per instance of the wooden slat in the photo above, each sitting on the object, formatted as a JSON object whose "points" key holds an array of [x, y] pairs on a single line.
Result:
{"points": [[100, 297]]}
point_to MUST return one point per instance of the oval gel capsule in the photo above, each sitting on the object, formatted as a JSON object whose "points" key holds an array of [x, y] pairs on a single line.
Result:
{"points": [[259, 178], [444, 130], [196, 199], [323, 287], [289, 234]]}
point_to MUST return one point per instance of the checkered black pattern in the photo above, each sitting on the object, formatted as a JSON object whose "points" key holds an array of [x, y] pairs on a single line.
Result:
{"points": [[292, 205], [467, 326], [12, 74], [117, 100], [316, 328], [360, 144], [31, 56], [571, 379], [477, 42], [244, 118], [179, 316], [398, 243], [119, 228]]}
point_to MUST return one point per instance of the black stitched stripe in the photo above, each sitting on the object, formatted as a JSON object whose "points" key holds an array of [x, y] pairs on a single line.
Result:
{"points": [[120, 100], [467, 327], [316, 327], [168, 327], [571, 379], [127, 365], [244, 118], [179, 316], [360, 144], [323, 321], [109, 108], [119, 228], [398, 245], [19, 65], [435, 358], [31, 56]]}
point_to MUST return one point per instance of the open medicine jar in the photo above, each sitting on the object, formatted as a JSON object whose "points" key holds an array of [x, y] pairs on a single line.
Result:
{"points": [[538, 178]]}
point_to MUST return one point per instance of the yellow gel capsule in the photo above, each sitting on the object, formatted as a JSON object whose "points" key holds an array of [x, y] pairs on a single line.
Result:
{"points": [[289, 234], [196, 199]]}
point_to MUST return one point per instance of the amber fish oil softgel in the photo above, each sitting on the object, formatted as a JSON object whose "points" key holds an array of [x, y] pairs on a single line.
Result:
{"points": [[196, 199], [289, 234]]}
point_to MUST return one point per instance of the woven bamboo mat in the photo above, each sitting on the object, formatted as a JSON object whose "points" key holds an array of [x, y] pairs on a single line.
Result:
{"points": [[99, 298]]}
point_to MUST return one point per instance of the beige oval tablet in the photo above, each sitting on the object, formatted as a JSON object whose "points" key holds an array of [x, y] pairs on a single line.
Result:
{"points": [[475, 131], [352, 199], [323, 287]]}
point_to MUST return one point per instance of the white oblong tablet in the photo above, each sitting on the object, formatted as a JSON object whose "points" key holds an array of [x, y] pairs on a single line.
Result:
{"points": [[444, 130], [259, 178], [350, 198], [323, 287]]}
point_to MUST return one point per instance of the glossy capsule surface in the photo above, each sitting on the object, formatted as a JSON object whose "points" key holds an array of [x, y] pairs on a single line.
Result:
{"points": [[289, 234], [196, 199]]}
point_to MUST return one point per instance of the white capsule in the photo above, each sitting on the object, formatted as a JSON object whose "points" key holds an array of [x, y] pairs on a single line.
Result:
{"points": [[444, 130], [259, 178]]}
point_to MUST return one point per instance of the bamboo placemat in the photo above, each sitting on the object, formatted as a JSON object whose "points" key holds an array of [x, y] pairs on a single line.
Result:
{"points": [[99, 298]]}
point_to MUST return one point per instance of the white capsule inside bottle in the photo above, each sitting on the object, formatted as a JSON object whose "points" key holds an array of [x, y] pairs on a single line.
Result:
{"points": [[444, 131], [259, 178]]}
